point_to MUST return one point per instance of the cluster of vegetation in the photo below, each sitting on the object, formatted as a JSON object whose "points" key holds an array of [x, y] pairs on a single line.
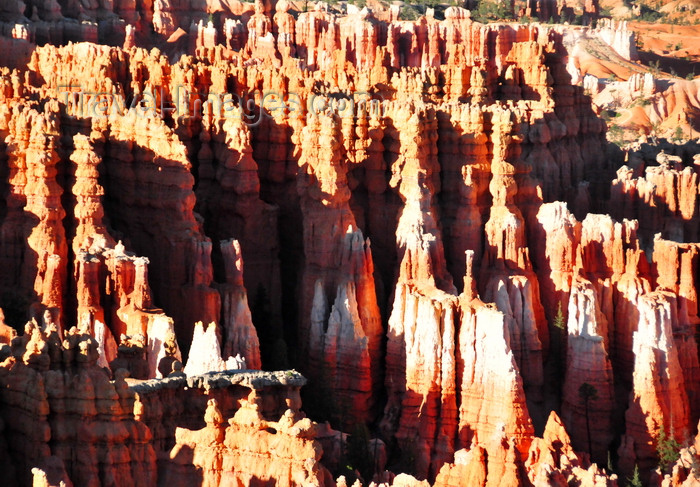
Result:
{"points": [[655, 67], [684, 20], [668, 450], [635, 480], [558, 345], [488, 11], [649, 14], [415, 10], [641, 102], [616, 135], [410, 12]]}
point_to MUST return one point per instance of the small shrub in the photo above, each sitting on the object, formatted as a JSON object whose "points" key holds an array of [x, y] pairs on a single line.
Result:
{"points": [[649, 15], [668, 450], [678, 134], [489, 11], [616, 135], [655, 67], [559, 321], [409, 12], [635, 481]]}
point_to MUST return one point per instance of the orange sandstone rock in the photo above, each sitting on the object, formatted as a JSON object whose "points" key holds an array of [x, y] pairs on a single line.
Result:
{"points": [[658, 399]]}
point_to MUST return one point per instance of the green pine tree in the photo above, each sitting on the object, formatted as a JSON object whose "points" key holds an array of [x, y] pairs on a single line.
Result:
{"points": [[559, 321], [635, 481], [668, 449]]}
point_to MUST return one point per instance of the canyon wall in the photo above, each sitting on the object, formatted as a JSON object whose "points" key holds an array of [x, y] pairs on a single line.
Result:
{"points": [[413, 213]]}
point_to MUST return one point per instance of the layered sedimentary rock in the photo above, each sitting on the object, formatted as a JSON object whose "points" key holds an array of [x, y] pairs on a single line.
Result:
{"points": [[588, 416], [305, 186], [500, 419], [346, 335], [421, 407], [184, 264], [241, 337], [248, 450], [659, 401], [560, 233], [676, 266], [507, 276], [180, 401], [619, 37], [552, 460], [73, 406], [664, 199], [253, 430], [34, 226]]}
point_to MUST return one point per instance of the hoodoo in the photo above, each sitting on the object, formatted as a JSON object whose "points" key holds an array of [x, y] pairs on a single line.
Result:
{"points": [[306, 244]]}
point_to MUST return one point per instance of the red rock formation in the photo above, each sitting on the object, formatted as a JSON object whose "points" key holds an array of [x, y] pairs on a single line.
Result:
{"points": [[483, 336], [463, 158], [89, 413], [185, 268], [340, 263], [475, 127], [283, 27], [35, 211], [588, 417], [420, 358], [241, 337], [7, 333], [552, 460], [630, 287], [676, 265], [253, 429], [507, 276], [556, 258], [664, 200], [469, 468], [216, 454], [229, 199], [601, 257], [658, 399]]}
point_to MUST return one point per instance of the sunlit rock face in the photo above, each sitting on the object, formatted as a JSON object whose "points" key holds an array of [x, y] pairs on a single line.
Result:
{"points": [[195, 191]]}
